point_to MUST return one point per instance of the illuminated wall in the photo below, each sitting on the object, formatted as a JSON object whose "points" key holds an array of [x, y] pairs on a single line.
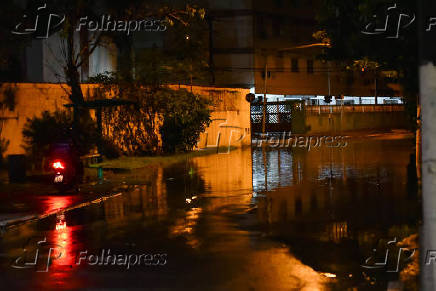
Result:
{"points": [[230, 117], [231, 114]]}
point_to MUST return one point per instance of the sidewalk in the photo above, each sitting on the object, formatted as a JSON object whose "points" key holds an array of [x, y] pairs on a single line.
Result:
{"points": [[34, 200], [37, 197]]}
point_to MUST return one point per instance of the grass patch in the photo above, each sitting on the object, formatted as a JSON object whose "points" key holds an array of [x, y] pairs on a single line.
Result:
{"points": [[130, 163]]}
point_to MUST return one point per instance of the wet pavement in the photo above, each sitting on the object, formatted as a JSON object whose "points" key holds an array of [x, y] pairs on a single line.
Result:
{"points": [[253, 219]]}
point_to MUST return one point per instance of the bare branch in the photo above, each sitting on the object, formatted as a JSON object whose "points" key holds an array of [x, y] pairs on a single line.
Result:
{"points": [[92, 48]]}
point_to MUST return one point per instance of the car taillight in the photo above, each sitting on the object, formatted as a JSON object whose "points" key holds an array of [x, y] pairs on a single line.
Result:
{"points": [[58, 165]]}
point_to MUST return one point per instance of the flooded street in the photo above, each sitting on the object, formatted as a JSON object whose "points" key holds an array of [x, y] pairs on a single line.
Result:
{"points": [[252, 219]]}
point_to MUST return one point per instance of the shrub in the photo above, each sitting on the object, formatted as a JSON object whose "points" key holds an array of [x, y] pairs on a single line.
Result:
{"points": [[186, 115], [40, 132], [109, 149], [178, 115], [3, 147]]}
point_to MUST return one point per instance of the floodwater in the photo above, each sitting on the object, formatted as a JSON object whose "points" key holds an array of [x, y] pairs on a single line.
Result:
{"points": [[251, 219]]}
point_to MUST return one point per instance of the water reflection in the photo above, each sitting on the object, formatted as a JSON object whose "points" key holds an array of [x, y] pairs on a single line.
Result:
{"points": [[62, 239], [202, 211], [343, 200], [184, 226]]}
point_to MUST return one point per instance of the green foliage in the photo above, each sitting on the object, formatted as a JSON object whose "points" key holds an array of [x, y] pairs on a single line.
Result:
{"points": [[133, 130], [343, 22], [181, 60], [178, 115], [8, 101], [109, 149], [186, 115], [40, 132]]}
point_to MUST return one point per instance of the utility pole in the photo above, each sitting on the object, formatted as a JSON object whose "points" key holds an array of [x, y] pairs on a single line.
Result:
{"points": [[427, 87], [375, 86], [328, 79]]}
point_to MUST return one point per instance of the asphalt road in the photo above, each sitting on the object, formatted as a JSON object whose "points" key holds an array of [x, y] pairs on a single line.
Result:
{"points": [[248, 220]]}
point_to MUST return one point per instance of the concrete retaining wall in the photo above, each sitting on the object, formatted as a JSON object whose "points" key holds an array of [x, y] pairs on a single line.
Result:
{"points": [[231, 115], [355, 121]]}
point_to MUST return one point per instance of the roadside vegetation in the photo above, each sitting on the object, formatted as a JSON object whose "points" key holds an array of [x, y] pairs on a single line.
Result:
{"points": [[160, 120]]}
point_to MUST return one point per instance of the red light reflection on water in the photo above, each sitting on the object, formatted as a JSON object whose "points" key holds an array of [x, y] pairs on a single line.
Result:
{"points": [[56, 203]]}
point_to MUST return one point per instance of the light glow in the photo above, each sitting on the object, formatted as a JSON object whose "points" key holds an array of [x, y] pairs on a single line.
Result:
{"points": [[58, 165]]}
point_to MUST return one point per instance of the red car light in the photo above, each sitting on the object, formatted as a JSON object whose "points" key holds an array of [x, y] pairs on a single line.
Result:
{"points": [[58, 165]]}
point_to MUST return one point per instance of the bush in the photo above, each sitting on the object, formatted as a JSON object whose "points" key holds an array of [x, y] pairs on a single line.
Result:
{"points": [[186, 115], [179, 116], [40, 132], [109, 149], [3, 147]]}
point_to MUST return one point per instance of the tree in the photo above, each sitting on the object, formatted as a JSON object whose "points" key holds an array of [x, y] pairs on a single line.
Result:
{"points": [[7, 104], [343, 22], [11, 50], [76, 53]]}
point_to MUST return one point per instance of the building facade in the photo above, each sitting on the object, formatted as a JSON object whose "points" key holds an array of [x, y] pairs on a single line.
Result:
{"points": [[270, 47]]}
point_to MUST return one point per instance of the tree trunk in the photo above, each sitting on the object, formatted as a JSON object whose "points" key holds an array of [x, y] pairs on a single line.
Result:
{"points": [[124, 45], [72, 71], [73, 80]]}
